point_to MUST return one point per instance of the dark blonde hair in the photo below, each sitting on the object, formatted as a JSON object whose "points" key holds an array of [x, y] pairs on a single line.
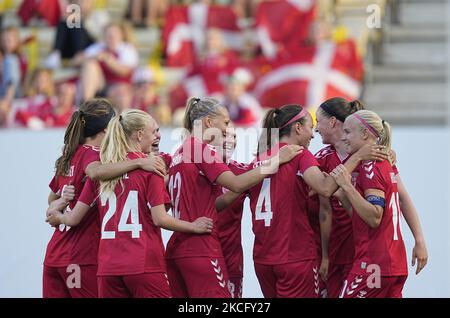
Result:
{"points": [[197, 108], [340, 108], [96, 111], [380, 126], [278, 118]]}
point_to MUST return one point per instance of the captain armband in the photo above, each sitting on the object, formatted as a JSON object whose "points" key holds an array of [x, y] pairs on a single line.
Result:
{"points": [[376, 200]]}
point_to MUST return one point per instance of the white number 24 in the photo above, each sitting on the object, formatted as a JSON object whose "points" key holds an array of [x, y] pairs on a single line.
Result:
{"points": [[130, 208]]}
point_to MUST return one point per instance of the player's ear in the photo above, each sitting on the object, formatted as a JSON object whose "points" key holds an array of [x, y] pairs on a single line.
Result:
{"points": [[365, 134], [333, 122], [208, 122]]}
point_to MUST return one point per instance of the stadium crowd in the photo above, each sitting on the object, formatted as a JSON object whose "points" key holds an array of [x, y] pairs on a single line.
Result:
{"points": [[248, 54]]}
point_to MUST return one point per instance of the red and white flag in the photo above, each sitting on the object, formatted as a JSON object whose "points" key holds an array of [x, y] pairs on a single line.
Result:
{"points": [[316, 74], [283, 23], [184, 32]]}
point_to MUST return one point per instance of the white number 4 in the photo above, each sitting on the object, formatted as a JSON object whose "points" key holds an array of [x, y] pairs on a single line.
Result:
{"points": [[264, 204], [130, 208]]}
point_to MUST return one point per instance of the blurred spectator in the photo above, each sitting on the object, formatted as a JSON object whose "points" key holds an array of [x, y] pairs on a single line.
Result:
{"points": [[69, 40], [49, 10], [208, 75], [14, 64], [41, 107], [244, 109], [107, 63], [144, 97], [120, 95], [146, 13], [185, 31]]}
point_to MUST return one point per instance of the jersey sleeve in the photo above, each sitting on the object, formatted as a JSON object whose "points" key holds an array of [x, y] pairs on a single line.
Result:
{"points": [[395, 169], [370, 177], [156, 193], [211, 165], [89, 193], [90, 157], [53, 185], [306, 160]]}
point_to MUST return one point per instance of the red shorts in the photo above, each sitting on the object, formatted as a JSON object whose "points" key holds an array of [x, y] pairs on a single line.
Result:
{"points": [[293, 280], [72, 281], [147, 285], [362, 286], [235, 287], [198, 277], [337, 273]]}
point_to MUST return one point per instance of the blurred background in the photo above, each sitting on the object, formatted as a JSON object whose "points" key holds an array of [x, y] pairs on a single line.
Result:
{"points": [[153, 54]]}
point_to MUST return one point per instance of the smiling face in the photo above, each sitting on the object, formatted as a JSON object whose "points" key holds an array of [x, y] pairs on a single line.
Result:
{"points": [[354, 137], [306, 131], [149, 136], [229, 144], [215, 127], [324, 127]]}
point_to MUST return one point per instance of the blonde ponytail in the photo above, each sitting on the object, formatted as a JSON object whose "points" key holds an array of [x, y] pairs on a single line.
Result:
{"points": [[380, 128], [117, 142]]}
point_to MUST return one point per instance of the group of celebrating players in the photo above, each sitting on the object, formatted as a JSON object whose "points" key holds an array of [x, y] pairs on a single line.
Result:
{"points": [[324, 225]]}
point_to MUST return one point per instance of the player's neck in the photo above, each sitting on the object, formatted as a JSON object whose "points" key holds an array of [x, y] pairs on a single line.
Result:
{"points": [[288, 140], [94, 141], [340, 149]]}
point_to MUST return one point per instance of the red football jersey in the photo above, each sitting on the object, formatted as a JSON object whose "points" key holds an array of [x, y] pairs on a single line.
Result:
{"points": [[79, 244], [384, 245], [341, 248], [129, 241], [167, 158], [229, 224], [195, 167], [279, 207]]}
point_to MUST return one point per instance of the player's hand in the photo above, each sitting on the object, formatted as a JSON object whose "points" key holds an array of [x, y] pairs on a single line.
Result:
{"points": [[68, 193], [154, 164], [420, 254], [373, 152], [54, 218], [341, 176], [392, 157], [323, 270], [287, 153], [203, 225]]}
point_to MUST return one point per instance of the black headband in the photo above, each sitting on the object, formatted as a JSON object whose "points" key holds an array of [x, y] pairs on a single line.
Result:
{"points": [[330, 112], [95, 124]]}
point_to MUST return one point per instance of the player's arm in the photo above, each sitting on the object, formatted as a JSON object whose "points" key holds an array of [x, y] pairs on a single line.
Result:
{"points": [[370, 208], [340, 195], [412, 219], [60, 203], [72, 218], [325, 217], [325, 185], [251, 178], [52, 196], [225, 200], [100, 172], [162, 219]]}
